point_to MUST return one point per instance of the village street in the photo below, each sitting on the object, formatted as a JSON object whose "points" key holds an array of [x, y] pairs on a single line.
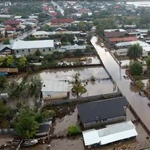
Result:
{"points": [[139, 104]]}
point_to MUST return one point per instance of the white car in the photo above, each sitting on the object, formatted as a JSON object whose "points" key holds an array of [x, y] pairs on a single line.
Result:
{"points": [[102, 44]]}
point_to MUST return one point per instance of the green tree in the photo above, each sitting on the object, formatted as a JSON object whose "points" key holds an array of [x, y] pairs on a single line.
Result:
{"points": [[74, 130], [148, 64], [135, 68], [38, 53], [6, 34], [64, 38], [22, 63], [9, 60], [3, 110], [3, 81], [140, 84], [134, 51], [78, 86], [26, 125], [6, 41], [2, 60]]}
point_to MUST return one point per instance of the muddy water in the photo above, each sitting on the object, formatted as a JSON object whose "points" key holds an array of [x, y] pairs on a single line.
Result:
{"points": [[61, 125], [96, 88], [94, 60]]}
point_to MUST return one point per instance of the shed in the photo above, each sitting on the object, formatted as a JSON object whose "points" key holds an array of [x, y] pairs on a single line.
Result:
{"points": [[53, 89], [111, 133]]}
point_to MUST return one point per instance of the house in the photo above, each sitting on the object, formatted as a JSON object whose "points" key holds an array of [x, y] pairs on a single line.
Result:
{"points": [[144, 45], [123, 39], [114, 33], [54, 89], [10, 30], [109, 134], [102, 112], [41, 34], [72, 47], [84, 11], [5, 16], [8, 71], [13, 23], [62, 21], [5, 50], [23, 48]]}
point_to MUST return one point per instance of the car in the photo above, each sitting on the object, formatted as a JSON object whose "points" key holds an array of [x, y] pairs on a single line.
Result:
{"points": [[102, 44], [126, 77], [141, 94]]}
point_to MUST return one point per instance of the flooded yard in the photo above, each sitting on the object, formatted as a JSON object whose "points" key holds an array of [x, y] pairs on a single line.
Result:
{"points": [[102, 84], [67, 144], [61, 125], [85, 60]]}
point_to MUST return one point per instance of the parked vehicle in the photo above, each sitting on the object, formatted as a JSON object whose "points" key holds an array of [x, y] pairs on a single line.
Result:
{"points": [[126, 77], [27, 143], [102, 44], [141, 94]]}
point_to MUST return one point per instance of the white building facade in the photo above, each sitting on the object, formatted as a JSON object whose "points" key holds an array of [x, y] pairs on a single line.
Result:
{"points": [[24, 48]]}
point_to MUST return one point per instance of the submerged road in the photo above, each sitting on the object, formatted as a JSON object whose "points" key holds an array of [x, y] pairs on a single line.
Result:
{"points": [[138, 103]]}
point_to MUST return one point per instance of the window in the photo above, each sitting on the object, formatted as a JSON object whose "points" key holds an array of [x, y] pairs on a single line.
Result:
{"points": [[17, 51], [28, 50], [43, 50], [23, 50], [49, 49]]}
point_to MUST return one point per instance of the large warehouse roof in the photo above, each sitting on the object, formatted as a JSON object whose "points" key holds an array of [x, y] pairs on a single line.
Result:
{"points": [[32, 44]]}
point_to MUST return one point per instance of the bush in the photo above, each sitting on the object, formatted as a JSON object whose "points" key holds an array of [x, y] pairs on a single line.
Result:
{"points": [[74, 130]]}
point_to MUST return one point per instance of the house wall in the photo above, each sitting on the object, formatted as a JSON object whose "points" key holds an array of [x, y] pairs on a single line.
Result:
{"points": [[41, 36], [109, 121], [55, 95], [24, 52]]}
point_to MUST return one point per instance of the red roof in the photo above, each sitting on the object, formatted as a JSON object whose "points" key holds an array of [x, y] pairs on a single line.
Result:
{"points": [[84, 10], [67, 20], [125, 39], [9, 29], [12, 22]]}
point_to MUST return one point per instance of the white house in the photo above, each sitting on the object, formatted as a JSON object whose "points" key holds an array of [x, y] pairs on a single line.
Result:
{"points": [[72, 47], [23, 48], [41, 34], [53, 89]]}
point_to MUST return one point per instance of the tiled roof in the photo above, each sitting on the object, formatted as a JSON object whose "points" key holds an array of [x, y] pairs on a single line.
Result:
{"points": [[125, 39], [68, 20], [110, 108], [114, 34], [12, 22]]}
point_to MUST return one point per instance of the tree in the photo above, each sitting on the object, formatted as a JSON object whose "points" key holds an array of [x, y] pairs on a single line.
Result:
{"points": [[6, 41], [135, 51], [3, 110], [140, 84], [9, 60], [64, 38], [78, 86], [26, 125], [135, 68], [38, 53], [2, 60], [22, 63], [3, 81], [6, 34], [148, 64]]}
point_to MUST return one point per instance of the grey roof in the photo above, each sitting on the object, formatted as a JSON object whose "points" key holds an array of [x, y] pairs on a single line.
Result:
{"points": [[110, 108]]}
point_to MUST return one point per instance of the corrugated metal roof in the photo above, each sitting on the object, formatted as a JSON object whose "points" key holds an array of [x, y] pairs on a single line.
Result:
{"points": [[33, 44], [55, 86], [111, 133]]}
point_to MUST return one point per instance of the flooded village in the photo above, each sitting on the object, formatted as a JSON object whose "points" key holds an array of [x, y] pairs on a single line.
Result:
{"points": [[74, 75]]}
